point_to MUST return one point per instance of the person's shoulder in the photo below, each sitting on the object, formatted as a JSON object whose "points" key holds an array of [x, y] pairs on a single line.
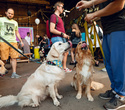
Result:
{"points": [[53, 16], [3, 18], [15, 21]]}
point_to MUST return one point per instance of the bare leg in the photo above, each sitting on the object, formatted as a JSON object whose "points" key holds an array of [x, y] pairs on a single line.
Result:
{"points": [[72, 54], [65, 59], [14, 64]]}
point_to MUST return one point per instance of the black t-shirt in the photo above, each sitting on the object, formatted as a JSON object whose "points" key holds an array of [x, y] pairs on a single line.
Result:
{"points": [[46, 44], [114, 22], [74, 38], [39, 40]]}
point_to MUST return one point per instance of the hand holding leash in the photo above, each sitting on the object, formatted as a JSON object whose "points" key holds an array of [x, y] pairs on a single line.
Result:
{"points": [[83, 4], [22, 44], [65, 36]]}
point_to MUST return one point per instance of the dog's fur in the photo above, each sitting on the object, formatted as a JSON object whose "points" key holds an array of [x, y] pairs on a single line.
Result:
{"points": [[41, 83], [3, 70], [84, 69]]}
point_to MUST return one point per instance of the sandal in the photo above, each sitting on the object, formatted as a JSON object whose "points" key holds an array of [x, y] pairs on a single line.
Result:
{"points": [[72, 63]]}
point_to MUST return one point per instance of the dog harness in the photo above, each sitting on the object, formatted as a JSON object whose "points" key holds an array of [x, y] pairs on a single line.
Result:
{"points": [[55, 63]]}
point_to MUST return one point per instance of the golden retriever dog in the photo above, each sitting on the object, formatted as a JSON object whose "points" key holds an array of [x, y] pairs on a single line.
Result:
{"points": [[3, 70], [42, 82], [84, 69]]}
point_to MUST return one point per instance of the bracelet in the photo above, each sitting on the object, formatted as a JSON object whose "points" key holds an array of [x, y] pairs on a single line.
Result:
{"points": [[62, 33]]}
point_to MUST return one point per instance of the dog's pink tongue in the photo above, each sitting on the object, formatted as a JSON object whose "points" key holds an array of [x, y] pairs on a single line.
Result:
{"points": [[84, 45], [70, 43]]}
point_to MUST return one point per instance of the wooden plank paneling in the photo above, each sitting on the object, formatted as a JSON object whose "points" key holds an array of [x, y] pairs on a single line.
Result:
{"points": [[42, 2], [21, 13]]}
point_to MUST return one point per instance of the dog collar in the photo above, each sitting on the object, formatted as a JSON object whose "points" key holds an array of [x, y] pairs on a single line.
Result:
{"points": [[1, 75], [55, 63]]}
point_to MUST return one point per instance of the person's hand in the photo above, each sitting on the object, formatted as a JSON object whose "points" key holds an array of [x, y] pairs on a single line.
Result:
{"points": [[37, 36], [89, 17], [83, 4], [66, 36], [22, 44]]}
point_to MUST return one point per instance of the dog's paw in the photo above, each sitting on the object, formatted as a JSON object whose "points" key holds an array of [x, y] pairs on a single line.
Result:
{"points": [[56, 103], [34, 105], [59, 96], [78, 96], [0, 95], [90, 98]]}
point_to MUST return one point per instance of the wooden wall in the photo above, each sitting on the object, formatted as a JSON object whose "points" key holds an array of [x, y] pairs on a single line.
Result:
{"points": [[21, 13]]}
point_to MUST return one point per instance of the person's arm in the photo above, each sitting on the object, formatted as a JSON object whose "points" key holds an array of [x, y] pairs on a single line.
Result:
{"points": [[18, 36], [30, 37], [55, 31], [87, 4], [110, 9]]}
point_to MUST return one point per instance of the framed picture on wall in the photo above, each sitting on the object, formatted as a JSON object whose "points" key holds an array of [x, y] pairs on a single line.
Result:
{"points": [[23, 32]]}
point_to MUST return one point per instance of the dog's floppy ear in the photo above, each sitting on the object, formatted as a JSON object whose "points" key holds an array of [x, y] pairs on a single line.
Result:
{"points": [[76, 51], [54, 53]]}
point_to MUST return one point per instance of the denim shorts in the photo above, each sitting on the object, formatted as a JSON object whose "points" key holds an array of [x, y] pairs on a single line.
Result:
{"points": [[58, 39]]}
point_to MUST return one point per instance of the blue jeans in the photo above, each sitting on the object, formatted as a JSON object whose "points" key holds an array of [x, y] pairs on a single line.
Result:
{"points": [[114, 51], [58, 39]]}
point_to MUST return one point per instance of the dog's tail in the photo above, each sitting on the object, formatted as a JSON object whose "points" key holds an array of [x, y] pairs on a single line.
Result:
{"points": [[8, 100]]}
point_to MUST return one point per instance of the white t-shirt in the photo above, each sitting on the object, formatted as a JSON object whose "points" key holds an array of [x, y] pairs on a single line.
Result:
{"points": [[28, 39], [97, 29]]}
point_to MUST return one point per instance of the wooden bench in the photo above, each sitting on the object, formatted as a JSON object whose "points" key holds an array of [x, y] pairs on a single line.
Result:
{"points": [[24, 59]]}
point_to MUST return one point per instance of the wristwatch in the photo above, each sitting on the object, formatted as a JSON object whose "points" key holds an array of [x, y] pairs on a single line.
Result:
{"points": [[62, 33]]}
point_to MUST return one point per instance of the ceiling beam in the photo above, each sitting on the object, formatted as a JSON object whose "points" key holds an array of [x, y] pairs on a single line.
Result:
{"points": [[40, 2]]}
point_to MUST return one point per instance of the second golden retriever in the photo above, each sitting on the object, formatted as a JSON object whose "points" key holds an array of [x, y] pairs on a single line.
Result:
{"points": [[84, 69]]}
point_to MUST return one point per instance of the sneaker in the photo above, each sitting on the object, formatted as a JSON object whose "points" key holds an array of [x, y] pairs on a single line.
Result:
{"points": [[96, 63], [103, 69], [115, 103], [14, 75], [107, 95], [67, 70]]}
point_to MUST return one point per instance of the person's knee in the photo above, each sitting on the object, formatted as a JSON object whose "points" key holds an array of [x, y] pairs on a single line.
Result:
{"points": [[65, 54], [13, 59]]}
